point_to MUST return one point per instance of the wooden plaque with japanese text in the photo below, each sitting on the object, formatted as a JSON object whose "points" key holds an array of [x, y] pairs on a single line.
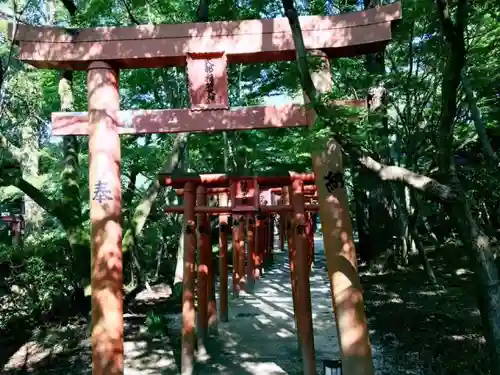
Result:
{"points": [[207, 79]]}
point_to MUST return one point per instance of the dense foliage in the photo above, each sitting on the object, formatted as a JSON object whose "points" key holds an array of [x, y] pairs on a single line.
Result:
{"points": [[46, 177]]}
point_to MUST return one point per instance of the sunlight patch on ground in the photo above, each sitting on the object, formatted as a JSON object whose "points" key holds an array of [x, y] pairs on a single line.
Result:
{"points": [[263, 368]]}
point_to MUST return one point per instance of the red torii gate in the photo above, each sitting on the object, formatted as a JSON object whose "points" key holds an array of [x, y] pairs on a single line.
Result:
{"points": [[244, 201], [263, 227], [206, 49], [310, 193]]}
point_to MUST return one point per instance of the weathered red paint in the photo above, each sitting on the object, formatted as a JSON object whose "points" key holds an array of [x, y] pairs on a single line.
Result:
{"points": [[149, 46], [204, 257], [212, 302], [188, 282], [252, 261], [210, 191], [308, 190], [235, 264], [223, 263], [303, 306], [282, 228], [246, 197], [266, 235], [189, 120], [221, 179], [259, 239], [270, 247], [105, 212], [347, 296], [310, 239], [241, 253], [240, 210], [165, 45], [236, 240], [292, 262]]}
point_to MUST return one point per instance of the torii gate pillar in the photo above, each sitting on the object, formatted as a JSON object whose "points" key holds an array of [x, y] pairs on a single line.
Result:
{"points": [[105, 212], [347, 297]]}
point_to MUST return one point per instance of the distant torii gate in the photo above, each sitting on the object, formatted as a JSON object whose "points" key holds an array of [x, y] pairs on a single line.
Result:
{"points": [[310, 193], [244, 201], [206, 49], [15, 224]]}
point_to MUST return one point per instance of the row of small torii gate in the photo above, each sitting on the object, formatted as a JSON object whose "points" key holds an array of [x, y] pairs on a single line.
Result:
{"points": [[252, 201], [206, 49]]}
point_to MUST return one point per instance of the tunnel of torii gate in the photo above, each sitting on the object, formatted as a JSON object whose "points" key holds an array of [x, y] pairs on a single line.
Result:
{"points": [[250, 198], [205, 49]]}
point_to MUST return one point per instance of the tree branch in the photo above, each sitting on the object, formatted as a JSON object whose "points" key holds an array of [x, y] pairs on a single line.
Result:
{"points": [[424, 184], [444, 16], [488, 151], [70, 7], [454, 36], [12, 150], [129, 12], [202, 11], [33, 192]]}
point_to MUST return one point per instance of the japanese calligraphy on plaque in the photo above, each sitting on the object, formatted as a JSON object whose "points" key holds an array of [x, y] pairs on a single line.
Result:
{"points": [[208, 81], [334, 180], [102, 192]]}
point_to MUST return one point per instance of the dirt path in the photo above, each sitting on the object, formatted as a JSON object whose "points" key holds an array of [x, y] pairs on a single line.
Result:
{"points": [[258, 339], [260, 335]]}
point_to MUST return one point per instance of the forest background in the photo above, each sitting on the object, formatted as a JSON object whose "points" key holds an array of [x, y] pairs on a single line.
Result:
{"points": [[426, 238]]}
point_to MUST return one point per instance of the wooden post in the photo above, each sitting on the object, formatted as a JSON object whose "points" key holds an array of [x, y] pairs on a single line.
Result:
{"points": [[270, 248], [341, 260], [259, 236], [265, 243], [252, 253], [204, 249], [310, 238], [241, 253], [188, 312], [303, 292], [340, 253], [212, 301], [237, 242], [291, 261], [236, 255], [105, 220], [282, 228], [223, 234]]}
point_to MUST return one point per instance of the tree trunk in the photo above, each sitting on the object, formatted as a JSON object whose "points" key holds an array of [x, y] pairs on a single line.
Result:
{"points": [[33, 213], [482, 259], [365, 248], [475, 241], [423, 257], [143, 209], [71, 204]]}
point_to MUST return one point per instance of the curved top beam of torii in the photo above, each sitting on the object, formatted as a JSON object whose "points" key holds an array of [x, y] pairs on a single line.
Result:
{"points": [[151, 46]]}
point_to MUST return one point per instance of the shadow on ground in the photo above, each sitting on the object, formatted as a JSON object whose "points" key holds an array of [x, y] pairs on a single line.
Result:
{"points": [[424, 329], [258, 339]]}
